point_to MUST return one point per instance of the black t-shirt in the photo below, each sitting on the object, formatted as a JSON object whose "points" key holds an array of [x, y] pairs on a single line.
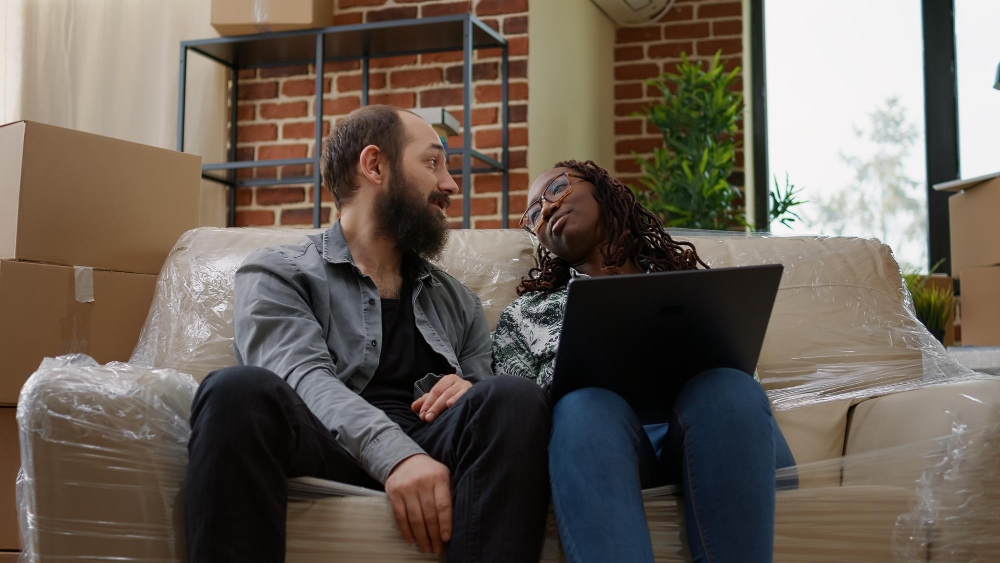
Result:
{"points": [[406, 357]]}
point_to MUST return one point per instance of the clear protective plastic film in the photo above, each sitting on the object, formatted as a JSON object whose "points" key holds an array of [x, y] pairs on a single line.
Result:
{"points": [[898, 445]]}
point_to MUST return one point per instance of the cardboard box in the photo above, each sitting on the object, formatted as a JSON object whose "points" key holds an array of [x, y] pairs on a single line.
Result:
{"points": [[41, 315], [10, 462], [981, 306], [77, 199], [974, 214], [9, 556], [240, 17]]}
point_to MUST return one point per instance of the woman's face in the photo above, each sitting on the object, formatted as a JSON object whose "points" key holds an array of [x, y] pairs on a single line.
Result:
{"points": [[572, 228]]}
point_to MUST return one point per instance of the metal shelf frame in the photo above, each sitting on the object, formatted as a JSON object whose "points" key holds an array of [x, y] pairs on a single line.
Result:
{"points": [[363, 42]]}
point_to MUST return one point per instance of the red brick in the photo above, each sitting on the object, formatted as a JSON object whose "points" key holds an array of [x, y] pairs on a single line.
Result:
{"points": [[487, 224], [637, 145], [341, 66], [626, 109], [352, 3], [350, 83], [637, 34], [517, 203], [257, 132], [456, 140], [488, 183], [483, 116], [491, 138], [517, 114], [632, 53], [276, 152], [492, 23], [254, 218], [304, 87], [636, 71], [245, 73], [687, 30], [518, 159], [491, 92], [670, 50], [387, 62], [244, 197], [498, 7], [278, 196], [447, 57], [727, 27], [284, 111], [341, 106], [325, 195], [303, 216], [480, 71], [258, 91], [348, 19], [302, 130], [515, 26], [720, 10], [489, 53], [279, 71], [630, 127], [652, 129], [245, 112], [400, 13], [477, 205], [414, 78], [678, 13], [441, 97], [295, 171], [441, 9], [401, 100], [628, 91], [517, 46], [517, 69], [728, 46]]}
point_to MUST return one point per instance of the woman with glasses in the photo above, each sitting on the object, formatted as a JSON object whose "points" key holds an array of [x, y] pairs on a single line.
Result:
{"points": [[721, 445]]}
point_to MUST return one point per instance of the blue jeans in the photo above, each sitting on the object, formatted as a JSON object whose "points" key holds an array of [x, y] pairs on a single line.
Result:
{"points": [[722, 445]]}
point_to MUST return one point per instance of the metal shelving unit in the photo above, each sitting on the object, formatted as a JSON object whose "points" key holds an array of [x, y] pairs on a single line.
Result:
{"points": [[362, 42]]}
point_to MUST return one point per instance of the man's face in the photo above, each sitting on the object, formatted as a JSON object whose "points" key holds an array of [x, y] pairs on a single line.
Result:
{"points": [[411, 210]]}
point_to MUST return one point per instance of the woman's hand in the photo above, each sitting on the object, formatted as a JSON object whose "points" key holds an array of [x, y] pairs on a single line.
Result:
{"points": [[443, 395]]}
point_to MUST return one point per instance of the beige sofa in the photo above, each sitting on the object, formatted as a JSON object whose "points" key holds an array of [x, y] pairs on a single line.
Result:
{"points": [[898, 446]]}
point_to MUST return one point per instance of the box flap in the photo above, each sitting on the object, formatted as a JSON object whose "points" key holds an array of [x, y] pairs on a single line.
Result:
{"points": [[958, 185]]}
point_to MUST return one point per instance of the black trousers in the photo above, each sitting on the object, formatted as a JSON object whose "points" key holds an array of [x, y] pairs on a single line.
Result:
{"points": [[250, 433]]}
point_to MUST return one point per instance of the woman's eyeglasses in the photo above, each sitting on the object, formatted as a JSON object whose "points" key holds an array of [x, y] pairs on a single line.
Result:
{"points": [[555, 191]]}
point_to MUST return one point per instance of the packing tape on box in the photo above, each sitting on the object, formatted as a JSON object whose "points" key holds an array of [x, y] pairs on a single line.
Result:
{"points": [[262, 14], [84, 284]]}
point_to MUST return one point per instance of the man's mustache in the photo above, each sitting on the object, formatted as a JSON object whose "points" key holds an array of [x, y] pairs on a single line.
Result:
{"points": [[440, 197]]}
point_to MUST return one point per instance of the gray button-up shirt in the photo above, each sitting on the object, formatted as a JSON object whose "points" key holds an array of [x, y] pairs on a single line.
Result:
{"points": [[307, 312]]}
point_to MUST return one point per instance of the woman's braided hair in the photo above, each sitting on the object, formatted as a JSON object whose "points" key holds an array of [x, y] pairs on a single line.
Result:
{"points": [[633, 233]]}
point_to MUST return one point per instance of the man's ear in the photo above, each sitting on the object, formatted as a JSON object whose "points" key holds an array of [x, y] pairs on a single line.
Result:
{"points": [[371, 166]]}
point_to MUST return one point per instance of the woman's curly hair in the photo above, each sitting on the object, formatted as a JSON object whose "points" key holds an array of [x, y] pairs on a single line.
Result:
{"points": [[633, 234]]}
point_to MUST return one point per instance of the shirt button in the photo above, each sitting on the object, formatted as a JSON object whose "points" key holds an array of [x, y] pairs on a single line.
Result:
{"points": [[374, 343], [371, 301]]}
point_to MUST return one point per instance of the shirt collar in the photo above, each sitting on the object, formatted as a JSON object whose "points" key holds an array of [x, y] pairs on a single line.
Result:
{"points": [[336, 251]]}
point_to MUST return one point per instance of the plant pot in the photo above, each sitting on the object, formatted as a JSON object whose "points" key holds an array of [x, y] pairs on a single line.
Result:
{"points": [[937, 334]]}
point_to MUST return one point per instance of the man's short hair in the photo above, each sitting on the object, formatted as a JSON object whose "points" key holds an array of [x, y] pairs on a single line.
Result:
{"points": [[378, 125]]}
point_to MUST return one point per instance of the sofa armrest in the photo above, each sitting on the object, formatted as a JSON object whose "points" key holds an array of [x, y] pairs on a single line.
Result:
{"points": [[104, 454]]}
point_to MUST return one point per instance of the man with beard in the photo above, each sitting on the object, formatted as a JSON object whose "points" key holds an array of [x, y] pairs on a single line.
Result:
{"points": [[361, 362]]}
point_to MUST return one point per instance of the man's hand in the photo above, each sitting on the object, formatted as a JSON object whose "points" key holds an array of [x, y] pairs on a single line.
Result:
{"points": [[419, 489], [443, 395]]}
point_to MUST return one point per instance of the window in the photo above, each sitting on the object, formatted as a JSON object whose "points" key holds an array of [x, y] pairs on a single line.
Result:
{"points": [[978, 53]]}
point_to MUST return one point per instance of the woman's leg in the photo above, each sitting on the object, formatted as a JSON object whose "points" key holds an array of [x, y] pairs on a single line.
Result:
{"points": [[721, 446], [599, 458]]}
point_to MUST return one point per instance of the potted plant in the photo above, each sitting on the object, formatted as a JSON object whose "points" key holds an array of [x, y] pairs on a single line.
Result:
{"points": [[933, 305], [686, 182]]}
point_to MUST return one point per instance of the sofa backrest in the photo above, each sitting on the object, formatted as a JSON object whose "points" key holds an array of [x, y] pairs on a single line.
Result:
{"points": [[842, 318]]}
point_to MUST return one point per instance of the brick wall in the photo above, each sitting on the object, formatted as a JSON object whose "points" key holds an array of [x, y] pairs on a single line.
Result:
{"points": [[276, 114], [698, 28]]}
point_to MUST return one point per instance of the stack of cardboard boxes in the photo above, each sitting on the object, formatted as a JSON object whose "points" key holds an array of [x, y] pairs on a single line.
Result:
{"points": [[974, 213], [86, 222]]}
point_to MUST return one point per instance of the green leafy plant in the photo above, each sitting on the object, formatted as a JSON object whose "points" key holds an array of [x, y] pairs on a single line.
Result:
{"points": [[686, 182], [933, 305]]}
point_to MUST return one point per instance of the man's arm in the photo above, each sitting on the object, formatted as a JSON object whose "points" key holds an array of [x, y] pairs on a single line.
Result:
{"points": [[275, 328]]}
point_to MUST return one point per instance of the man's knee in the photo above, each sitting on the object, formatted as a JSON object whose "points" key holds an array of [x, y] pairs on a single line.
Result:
{"points": [[237, 389], [509, 400]]}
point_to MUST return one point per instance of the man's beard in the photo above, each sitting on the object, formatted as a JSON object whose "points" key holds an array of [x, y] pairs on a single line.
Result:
{"points": [[409, 220]]}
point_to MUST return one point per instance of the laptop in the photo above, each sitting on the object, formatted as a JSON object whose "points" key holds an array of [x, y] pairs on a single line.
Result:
{"points": [[645, 335]]}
